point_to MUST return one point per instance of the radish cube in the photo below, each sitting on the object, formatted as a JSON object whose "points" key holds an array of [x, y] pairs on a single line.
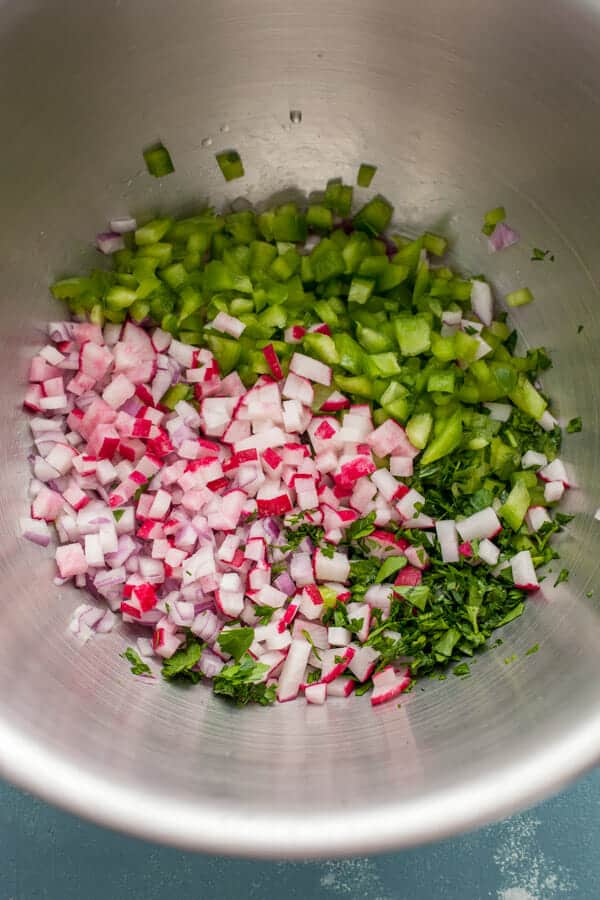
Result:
{"points": [[94, 554], [312, 369], [488, 552], [292, 673], [316, 692], [553, 491], [448, 538], [523, 571], [338, 637], [71, 560], [331, 568]]}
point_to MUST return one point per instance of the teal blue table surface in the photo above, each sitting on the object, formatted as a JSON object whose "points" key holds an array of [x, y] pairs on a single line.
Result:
{"points": [[552, 851]]}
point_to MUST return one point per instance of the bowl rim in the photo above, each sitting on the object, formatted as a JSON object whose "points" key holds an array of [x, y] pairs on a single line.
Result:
{"points": [[236, 831]]}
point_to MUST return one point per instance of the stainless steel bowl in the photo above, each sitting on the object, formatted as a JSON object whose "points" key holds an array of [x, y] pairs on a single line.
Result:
{"points": [[463, 106]]}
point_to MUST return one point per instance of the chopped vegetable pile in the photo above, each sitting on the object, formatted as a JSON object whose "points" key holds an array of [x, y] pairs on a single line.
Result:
{"points": [[296, 451]]}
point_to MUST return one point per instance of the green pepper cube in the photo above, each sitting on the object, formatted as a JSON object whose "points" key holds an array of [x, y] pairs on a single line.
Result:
{"points": [[360, 290], [230, 164], [514, 508], [338, 197], [319, 217], [366, 173], [374, 217], [418, 429], [158, 161], [521, 297], [441, 381], [413, 334], [175, 394], [491, 219], [447, 437], [435, 243]]}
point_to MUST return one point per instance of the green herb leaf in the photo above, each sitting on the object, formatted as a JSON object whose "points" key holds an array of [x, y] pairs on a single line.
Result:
{"points": [[538, 255], [510, 659], [533, 649], [264, 613], [390, 566], [307, 637], [360, 528], [118, 514], [462, 670], [242, 683], [137, 666], [181, 664], [236, 641], [575, 425], [563, 575], [141, 490]]}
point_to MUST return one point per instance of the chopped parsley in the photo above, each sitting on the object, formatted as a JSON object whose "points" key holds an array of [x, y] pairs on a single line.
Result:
{"points": [[264, 613], [236, 641], [243, 683], [137, 666], [538, 255], [308, 637], [563, 575], [575, 425], [462, 670], [390, 567], [510, 659], [141, 490], [360, 528], [533, 649], [181, 665]]}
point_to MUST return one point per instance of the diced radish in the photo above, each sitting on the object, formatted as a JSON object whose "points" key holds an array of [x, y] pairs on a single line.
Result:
{"points": [[316, 693], [363, 662], [311, 369], [227, 324], [488, 552], [340, 687], [536, 517], [547, 421], [481, 301], [338, 637], [336, 663], [448, 538], [482, 524], [555, 471], [331, 568], [380, 596], [292, 673], [335, 402], [524, 572], [553, 491], [387, 687], [71, 560], [500, 412], [410, 505], [401, 466], [533, 459], [391, 437], [409, 576], [273, 361]]}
